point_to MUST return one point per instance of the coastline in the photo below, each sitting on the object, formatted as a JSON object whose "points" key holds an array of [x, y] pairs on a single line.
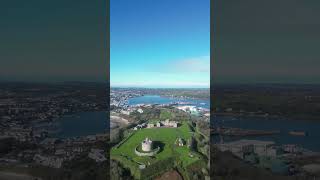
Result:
{"points": [[289, 117]]}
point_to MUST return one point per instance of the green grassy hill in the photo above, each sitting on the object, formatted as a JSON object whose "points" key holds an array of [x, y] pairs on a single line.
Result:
{"points": [[163, 137]]}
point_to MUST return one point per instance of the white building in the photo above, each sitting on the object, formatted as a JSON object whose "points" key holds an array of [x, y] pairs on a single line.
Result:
{"points": [[60, 152], [170, 123], [241, 147], [146, 145], [192, 109], [139, 126], [140, 110], [50, 161], [150, 125], [97, 155], [158, 124]]}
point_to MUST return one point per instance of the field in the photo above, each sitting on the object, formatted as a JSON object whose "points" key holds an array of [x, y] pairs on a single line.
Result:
{"points": [[163, 137]]}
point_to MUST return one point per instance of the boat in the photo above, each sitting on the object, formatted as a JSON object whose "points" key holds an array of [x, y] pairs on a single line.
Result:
{"points": [[298, 133]]}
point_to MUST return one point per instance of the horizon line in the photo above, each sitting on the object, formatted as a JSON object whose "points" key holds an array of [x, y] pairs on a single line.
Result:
{"points": [[168, 87]]}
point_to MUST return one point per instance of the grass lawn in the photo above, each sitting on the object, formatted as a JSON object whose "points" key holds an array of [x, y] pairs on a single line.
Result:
{"points": [[165, 114], [163, 137]]}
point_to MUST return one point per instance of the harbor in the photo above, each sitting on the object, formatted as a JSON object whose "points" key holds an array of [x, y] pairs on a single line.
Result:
{"points": [[279, 130], [242, 132]]}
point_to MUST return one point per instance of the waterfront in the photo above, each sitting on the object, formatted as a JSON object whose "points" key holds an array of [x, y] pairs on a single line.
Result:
{"points": [[156, 99], [82, 124], [281, 124]]}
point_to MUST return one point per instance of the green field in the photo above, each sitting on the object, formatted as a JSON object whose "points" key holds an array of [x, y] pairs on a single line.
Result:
{"points": [[165, 114], [165, 138]]}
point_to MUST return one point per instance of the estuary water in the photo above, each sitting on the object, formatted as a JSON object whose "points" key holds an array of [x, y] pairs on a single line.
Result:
{"points": [[82, 124], [156, 99], [311, 141]]}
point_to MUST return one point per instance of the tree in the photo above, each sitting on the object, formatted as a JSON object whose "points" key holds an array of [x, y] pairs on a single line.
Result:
{"points": [[191, 143], [117, 172], [114, 136]]}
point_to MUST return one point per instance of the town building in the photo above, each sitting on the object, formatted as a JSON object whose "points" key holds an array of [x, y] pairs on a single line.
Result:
{"points": [[170, 123], [242, 147], [158, 124], [97, 155], [140, 110]]}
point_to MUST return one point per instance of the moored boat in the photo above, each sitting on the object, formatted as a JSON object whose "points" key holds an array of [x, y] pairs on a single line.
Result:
{"points": [[298, 133]]}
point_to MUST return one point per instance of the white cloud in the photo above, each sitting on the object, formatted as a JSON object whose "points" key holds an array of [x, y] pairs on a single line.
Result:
{"points": [[188, 72], [195, 65]]}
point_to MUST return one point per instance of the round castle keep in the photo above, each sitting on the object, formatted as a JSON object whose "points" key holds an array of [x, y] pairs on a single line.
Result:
{"points": [[147, 149], [146, 145]]}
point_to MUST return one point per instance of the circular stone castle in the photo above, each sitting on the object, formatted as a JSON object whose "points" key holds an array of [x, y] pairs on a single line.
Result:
{"points": [[146, 145], [147, 148]]}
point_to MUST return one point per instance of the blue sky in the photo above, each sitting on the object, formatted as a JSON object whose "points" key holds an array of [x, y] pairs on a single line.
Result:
{"points": [[160, 43]]}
